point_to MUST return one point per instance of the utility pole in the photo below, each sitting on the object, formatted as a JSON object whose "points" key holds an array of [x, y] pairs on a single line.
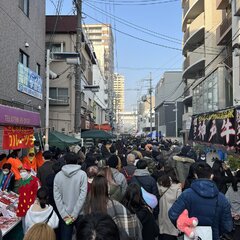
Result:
{"points": [[78, 80], [150, 93], [46, 146]]}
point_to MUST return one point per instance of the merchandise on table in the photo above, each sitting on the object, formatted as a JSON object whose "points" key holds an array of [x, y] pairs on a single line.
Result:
{"points": [[8, 206]]}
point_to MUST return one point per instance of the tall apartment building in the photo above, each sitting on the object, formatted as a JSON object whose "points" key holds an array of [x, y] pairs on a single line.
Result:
{"points": [[22, 62], [118, 88], [207, 52], [101, 37]]}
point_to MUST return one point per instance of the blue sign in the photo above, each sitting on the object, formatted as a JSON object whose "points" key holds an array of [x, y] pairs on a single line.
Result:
{"points": [[29, 82]]}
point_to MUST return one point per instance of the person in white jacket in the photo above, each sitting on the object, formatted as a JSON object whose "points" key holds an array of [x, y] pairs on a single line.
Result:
{"points": [[41, 212]]}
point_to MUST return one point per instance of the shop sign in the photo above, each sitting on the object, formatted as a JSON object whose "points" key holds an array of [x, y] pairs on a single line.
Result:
{"points": [[216, 127], [17, 137], [29, 82], [18, 117]]}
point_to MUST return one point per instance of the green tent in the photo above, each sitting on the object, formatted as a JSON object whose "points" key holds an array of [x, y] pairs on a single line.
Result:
{"points": [[59, 140], [100, 134]]}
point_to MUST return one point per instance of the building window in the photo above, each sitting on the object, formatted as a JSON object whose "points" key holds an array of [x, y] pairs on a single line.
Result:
{"points": [[38, 68], [58, 96], [23, 58], [55, 47], [205, 95], [24, 5]]}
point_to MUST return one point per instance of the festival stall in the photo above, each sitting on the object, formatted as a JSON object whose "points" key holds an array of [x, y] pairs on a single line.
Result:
{"points": [[16, 132]]}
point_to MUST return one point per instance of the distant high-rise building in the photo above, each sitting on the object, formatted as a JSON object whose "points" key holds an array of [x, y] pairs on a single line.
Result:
{"points": [[118, 88], [102, 40]]}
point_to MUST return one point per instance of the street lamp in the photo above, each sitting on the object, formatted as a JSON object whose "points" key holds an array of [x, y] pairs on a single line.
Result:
{"points": [[69, 58]]}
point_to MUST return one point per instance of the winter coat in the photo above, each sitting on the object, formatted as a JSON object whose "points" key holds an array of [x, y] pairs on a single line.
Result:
{"points": [[142, 178], [46, 215], [70, 190], [150, 229], [234, 199], [181, 167], [124, 219], [44, 171], [167, 197], [128, 172], [205, 202], [120, 180]]}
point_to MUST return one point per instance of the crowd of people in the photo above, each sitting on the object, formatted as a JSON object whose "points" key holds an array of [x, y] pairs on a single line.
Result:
{"points": [[108, 191]]}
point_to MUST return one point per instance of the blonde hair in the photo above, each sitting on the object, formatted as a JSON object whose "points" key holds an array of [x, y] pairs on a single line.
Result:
{"points": [[40, 231]]}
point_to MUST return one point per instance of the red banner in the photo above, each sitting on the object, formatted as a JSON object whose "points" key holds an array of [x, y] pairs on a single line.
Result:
{"points": [[17, 137]]}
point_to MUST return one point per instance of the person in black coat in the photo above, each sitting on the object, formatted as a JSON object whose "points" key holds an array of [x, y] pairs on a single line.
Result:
{"points": [[143, 178], [135, 203], [46, 169], [222, 175]]}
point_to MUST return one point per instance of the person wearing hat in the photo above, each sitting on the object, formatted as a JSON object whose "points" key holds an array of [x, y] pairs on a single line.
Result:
{"points": [[6, 178], [30, 159], [114, 163], [27, 192]]}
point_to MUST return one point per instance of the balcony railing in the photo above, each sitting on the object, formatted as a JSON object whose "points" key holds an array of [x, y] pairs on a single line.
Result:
{"points": [[226, 23], [237, 13], [228, 61], [186, 7], [186, 35], [222, 4]]}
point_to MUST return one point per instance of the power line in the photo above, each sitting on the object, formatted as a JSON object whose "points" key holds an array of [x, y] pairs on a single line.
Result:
{"points": [[144, 40], [137, 27], [151, 2]]}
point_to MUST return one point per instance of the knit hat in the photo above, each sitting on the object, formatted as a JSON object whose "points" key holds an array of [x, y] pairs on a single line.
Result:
{"points": [[113, 161]]}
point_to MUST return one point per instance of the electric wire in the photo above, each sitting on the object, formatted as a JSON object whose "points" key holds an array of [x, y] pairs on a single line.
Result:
{"points": [[139, 3]]}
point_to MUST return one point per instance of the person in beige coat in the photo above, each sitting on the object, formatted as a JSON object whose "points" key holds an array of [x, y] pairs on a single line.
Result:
{"points": [[169, 189]]}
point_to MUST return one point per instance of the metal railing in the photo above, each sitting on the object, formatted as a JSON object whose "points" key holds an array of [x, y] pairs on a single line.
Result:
{"points": [[226, 23]]}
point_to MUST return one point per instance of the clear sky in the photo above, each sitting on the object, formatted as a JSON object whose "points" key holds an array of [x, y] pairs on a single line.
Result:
{"points": [[155, 22]]}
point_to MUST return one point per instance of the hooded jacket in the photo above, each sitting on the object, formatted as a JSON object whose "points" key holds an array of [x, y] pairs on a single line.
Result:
{"points": [[205, 202], [142, 178], [46, 215], [70, 190]]}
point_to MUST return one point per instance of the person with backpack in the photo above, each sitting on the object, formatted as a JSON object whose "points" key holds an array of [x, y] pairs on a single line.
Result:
{"points": [[129, 170]]}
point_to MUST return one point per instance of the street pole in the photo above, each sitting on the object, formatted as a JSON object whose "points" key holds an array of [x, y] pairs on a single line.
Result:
{"points": [[46, 146], [176, 117], [150, 92], [78, 103]]}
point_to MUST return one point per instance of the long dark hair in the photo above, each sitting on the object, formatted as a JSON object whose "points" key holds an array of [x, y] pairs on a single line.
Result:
{"points": [[42, 195], [98, 196], [133, 199]]}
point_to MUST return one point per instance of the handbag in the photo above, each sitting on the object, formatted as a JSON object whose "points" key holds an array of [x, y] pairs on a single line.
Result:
{"points": [[149, 198]]}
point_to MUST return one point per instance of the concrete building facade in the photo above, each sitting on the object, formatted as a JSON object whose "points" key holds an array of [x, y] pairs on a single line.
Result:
{"points": [[22, 62], [207, 66], [101, 38], [62, 90], [168, 104]]}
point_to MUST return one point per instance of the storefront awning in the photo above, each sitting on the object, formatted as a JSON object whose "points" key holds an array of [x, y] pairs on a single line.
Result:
{"points": [[18, 117]]}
